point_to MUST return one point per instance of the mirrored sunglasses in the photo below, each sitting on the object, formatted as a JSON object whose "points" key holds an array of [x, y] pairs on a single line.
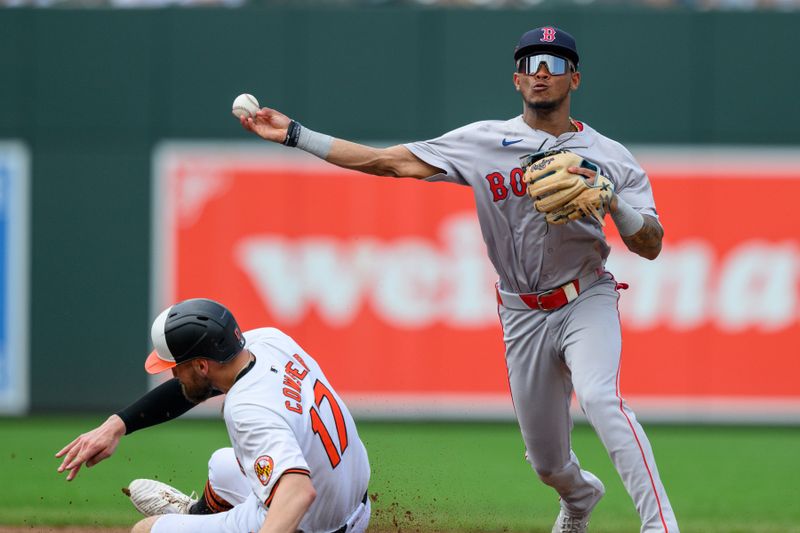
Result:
{"points": [[556, 65]]}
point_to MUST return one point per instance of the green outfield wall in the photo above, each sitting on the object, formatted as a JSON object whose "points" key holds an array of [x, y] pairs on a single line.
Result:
{"points": [[91, 92]]}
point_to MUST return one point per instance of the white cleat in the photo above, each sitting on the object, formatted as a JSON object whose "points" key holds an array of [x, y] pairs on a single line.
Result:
{"points": [[569, 522], [151, 497]]}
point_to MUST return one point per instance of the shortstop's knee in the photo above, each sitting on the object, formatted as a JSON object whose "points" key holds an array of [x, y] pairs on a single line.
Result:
{"points": [[598, 403]]}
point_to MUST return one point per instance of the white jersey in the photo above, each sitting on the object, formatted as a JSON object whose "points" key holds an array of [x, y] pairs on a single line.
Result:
{"points": [[284, 417], [529, 254]]}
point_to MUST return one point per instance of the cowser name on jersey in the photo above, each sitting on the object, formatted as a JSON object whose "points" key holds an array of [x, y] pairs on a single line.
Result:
{"points": [[500, 186], [293, 384]]}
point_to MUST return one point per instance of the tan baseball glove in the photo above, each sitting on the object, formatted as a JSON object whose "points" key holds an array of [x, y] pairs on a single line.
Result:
{"points": [[561, 195]]}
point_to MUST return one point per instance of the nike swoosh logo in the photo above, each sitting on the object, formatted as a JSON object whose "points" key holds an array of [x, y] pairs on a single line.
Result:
{"points": [[509, 143]]}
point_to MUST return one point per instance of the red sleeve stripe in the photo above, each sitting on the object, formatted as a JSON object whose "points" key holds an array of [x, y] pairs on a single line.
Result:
{"points": [[289, 471], [215, 502]]}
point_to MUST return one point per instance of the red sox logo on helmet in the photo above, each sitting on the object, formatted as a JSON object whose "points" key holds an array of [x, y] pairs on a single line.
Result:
{"points": [[548, 35]]}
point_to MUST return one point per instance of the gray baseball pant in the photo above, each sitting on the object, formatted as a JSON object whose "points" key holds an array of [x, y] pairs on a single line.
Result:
{"points": [[577, 347]]}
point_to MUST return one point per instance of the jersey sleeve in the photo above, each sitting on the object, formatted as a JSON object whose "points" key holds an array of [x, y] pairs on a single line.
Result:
{"points": [[267, 449], [633, 185], [447, 152]]}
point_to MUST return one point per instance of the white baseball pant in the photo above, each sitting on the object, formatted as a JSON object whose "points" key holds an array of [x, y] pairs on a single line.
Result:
{"points": [[248, 514]]}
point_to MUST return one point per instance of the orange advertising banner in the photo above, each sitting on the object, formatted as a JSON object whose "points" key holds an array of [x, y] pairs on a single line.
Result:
{"points": [[386, 281]]}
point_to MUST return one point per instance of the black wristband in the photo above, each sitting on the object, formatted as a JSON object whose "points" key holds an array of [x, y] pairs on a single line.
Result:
{"points": [[292, 134], [163, 403]]}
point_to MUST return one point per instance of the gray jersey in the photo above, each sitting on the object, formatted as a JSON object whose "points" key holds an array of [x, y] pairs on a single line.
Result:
{"points": [[529, 254]]}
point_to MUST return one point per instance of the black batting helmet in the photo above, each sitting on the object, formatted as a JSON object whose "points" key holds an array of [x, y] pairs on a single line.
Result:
{"points": [[190, 329]]}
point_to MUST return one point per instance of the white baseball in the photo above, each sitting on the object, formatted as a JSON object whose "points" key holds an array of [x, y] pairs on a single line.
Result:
{"points": [[245, 105]]}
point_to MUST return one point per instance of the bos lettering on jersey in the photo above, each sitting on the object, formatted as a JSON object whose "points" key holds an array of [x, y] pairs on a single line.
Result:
{"points": [[293, 383], [499, 186]]}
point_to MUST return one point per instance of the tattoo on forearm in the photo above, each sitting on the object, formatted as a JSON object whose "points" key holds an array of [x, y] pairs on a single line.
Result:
{"points": [[647, 241]]}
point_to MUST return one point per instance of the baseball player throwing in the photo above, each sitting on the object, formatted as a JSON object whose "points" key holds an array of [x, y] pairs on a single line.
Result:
{"points": [[557, 304], [297, 463]]}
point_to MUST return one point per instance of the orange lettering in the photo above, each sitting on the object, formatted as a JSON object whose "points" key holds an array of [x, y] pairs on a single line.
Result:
{"points": [[294, 372], [300, 360], [292, 383], [291, 394]]}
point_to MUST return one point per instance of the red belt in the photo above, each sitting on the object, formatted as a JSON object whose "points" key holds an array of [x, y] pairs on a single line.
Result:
{"points": [[549, 300]]}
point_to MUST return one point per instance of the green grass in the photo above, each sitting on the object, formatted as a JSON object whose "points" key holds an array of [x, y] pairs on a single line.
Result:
{"points": [[427, 477]]}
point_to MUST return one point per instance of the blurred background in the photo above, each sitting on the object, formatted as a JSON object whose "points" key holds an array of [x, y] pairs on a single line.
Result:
{"points": [[143, 189], [127, 185]]}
